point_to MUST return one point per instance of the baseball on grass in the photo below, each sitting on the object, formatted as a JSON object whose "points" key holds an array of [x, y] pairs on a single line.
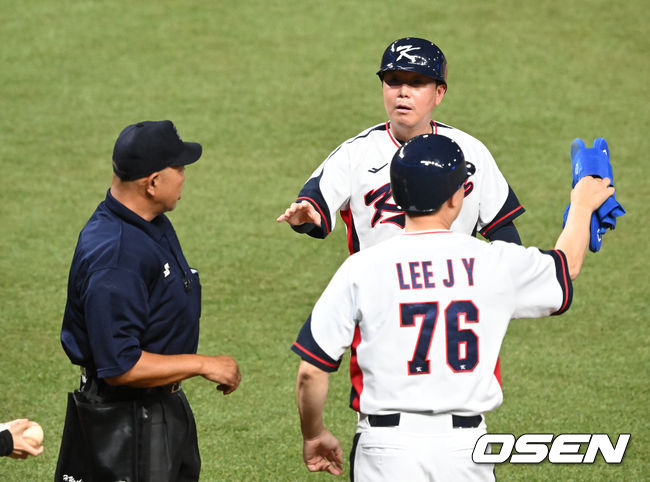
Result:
{"points": [[34, 435]]}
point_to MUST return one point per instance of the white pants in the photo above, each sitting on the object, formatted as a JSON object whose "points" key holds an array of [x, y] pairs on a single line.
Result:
{"points": [[422, 448]]}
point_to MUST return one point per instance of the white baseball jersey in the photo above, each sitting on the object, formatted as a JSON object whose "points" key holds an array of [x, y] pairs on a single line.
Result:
{"points": [[425, 314], [355, 180]]}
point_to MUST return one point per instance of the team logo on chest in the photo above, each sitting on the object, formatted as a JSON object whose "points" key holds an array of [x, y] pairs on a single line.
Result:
{"points": [[375, 170], [166, 270], [385, 211]]}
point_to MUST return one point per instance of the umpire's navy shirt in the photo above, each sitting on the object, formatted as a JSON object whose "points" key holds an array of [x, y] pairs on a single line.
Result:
{"points": [[130, 289]]}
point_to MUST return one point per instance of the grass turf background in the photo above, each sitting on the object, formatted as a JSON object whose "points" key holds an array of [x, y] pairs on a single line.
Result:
{"points": [[270, 88]]}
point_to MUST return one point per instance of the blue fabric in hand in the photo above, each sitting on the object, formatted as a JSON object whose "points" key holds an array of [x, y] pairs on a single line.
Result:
{"points": [[595, 161]]}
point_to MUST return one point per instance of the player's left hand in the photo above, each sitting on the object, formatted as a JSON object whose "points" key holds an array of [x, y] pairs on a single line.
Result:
{"points": [[323, 454]]}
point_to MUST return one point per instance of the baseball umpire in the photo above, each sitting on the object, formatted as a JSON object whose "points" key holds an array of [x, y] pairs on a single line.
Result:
{"points": [[132, 323], [354, 179], [424, 315]]}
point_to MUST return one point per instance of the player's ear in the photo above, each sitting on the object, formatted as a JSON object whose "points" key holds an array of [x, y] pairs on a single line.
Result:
{"points": [[440, 93], [456, 199], [441, 89]]}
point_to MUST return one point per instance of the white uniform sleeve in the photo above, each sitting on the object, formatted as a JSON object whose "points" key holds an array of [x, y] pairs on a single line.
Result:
{"points": [[540, 280], [329, 330]]}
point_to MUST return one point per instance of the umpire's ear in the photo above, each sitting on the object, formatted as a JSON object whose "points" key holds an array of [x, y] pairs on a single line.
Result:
{"points": [[151, 182]]}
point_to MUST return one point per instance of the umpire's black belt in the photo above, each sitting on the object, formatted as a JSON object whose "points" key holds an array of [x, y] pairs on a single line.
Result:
{"points": [[95, 388], [393, 419]]}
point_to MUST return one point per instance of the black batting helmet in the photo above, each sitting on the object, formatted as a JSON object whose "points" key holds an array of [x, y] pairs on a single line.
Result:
{"points": [[415, 55], [425, 172]]}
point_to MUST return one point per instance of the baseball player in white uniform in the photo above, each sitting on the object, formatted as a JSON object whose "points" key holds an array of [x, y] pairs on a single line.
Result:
{"points": [[424, 315], [354, 179]]}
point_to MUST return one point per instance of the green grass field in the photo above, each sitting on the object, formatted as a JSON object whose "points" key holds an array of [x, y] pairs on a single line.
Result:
{"points": [[270, 88]]}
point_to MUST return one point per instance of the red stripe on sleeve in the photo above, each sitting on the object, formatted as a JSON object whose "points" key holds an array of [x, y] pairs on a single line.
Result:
{"points": [[565, 283], [486, 230], [310, 354], [315, 204]]}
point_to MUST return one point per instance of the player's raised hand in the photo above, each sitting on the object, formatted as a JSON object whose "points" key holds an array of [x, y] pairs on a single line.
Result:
{"points": [[300, 213], [224, 371], [323, 454], [591, 192]]}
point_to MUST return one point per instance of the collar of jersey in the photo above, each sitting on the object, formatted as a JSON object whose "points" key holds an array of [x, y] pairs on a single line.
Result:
{"points": [[434, 130], [428, 231], [154, 228]]}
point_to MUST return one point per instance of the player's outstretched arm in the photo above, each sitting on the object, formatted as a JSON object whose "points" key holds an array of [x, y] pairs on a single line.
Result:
{"points": [[321, 450], [587, 196], [153, 370], [300, 213]]}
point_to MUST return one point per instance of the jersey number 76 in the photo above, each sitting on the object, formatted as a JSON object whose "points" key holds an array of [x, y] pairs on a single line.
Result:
{"points": [[461, 344]]}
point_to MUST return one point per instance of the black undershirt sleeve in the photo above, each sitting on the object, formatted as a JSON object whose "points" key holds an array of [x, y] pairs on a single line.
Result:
{"points": [[6, 443]]}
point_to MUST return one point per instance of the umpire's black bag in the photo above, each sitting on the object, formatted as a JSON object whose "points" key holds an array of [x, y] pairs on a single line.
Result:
{"points": [[99, 440]]}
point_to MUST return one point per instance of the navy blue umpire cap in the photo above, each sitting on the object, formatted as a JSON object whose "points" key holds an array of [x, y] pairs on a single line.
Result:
{"points": [[150, 146]]}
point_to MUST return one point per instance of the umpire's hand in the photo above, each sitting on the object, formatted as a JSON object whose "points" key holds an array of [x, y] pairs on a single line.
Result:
{"points": [[224, 371]]}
